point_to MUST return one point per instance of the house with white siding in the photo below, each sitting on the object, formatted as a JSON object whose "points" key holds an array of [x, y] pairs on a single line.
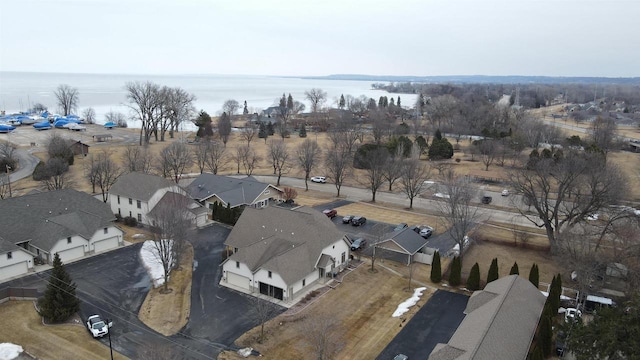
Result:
{"points": [[282, 253]]}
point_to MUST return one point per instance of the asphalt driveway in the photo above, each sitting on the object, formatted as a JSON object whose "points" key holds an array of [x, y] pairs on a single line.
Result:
{"points": [[115, 284], [434, 323]]}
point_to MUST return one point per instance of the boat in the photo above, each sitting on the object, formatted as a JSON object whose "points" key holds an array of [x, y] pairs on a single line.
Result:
{"points": [[60, 123], [6, 128], [45, 125], [76, 127], [110, 125]]}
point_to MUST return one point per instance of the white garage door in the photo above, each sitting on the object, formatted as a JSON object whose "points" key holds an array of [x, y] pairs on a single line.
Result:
{"points": [[106, 244], [13, 270], [238, 280], [71, 254]]}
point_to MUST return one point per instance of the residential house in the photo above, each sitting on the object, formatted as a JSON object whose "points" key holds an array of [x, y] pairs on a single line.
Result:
{"points": [[405, 246], [68, 222], [137, 194], [226, 190], [500, 323], [281, 252]]}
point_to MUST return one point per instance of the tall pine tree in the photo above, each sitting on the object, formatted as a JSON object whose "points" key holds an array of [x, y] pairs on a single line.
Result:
{"points": [[473, 282], [534, 277], [514, 269], [456, 269], [60, 301], [493, 271], [436, 270]]}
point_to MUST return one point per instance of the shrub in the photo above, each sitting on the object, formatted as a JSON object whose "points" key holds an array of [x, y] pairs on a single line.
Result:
{"points": [[456, 268], [473, 282], [40, 172], [130, 221], [436, 270], [118, 217], [514, 269]]}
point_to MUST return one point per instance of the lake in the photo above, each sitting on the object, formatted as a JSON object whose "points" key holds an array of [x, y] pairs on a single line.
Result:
{"points": [[105, 92]]}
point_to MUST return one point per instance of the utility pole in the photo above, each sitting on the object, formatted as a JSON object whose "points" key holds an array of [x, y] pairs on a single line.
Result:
{"points": [[9, 179]]}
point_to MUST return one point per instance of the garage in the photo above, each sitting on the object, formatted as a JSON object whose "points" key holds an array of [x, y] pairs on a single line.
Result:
{"points": [[106, 244], [238, 280], [270, 290], [71, 254], [10, 271]]}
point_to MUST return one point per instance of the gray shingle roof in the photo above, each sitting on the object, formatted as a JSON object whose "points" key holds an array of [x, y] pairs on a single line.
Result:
{"points": [[288, 242], [407, 239], [139, 186], [44, 218], [500, 323], [231, 190], [171, 200]]}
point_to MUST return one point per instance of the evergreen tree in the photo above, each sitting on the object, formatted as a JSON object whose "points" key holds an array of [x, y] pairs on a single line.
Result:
{"points": [[381, 102], [270, 130], [473, 282], [534, 276], [392, 103], [290, 103], [342, 102], [493, 271], [303, 131], [456, 268], [545, 335], [262, 132], [514, 269], [60, 301], [436, 270], [245, 111], [283, 101], [537, 354], [437, 135], [398, 102]]}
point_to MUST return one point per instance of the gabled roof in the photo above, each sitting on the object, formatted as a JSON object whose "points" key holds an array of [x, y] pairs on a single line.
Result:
{"points": [[175, 200], [408, 240], [289, 242], [44, 218], [230, 190], [500, 323], [139, 186]]}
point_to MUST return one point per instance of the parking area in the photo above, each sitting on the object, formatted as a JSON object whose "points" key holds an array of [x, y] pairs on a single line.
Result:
{"points": [[27, 136], [434, 323]]}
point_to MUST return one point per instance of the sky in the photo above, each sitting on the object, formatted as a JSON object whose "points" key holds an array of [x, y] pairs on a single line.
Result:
{"points": [[315, 38]]}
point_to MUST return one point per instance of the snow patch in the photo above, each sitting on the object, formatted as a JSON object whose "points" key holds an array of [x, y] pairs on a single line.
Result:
{"points": [[151, 261], [404, 306], [9, 351], [138, 236]]}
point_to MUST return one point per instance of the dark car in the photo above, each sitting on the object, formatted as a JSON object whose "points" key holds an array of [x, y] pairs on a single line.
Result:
{"points": [[486, 199], [358, 220], [400, 226], [560, 343], [331, 213], [415, 229], [358, 244], [347, 219]]}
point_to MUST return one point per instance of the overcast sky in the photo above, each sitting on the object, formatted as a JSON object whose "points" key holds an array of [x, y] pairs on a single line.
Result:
{"points": [[322, 37]]}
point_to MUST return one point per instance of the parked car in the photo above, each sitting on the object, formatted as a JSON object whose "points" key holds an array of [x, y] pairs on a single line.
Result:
{"points": [[358, 220], [400, 226], [401, 357], [415, 229], [560, 343], [331, 213], [358, 244], [486, 199], [97, 327], [347, 219], [319, 179], [572, 315], [426, 231], [505, 192]]}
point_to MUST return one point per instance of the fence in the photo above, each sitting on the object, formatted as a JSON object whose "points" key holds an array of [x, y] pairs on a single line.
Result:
{"points": [[9, 293]]}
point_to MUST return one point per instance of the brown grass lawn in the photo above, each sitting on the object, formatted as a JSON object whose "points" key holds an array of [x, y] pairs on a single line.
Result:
{"points": [[362, 311], [68, 341]]}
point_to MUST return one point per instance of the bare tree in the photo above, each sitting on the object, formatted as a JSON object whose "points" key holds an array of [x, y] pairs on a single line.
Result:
{"points": [[603, 133], [146, 100], [378, 232], [307, 155], [414, 174], [67, 98], [392, 169], [280, 158], [316, 97], [566, 189], [216, 156], [55, 174], [224, 128], [441, 110], [178, 108], [89, 115], [117, 118], [137, 158], [59, 147], [8, 158], [488, 149], [324, 336], [289, 194], [345, 133], [338, 162], [230, 107], [5, 186], [174, 160], [249, 159], [248, 133], [103, 172], [172, 223], [456, 207], [375, 162], [261, 310], [201, 153]]}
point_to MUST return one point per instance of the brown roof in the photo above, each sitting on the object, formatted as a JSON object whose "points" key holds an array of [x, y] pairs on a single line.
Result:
{"points": [[500, 323]]}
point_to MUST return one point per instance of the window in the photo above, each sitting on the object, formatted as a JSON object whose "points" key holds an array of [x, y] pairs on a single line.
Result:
{"points": [[235, 250], [139, 203], [344, 257], [106, 231], [69, 240], [304, 282], [269, 274], [9, 255], [238, 264], [118, 199], [130, 214], [139, 217], [130, 201]]}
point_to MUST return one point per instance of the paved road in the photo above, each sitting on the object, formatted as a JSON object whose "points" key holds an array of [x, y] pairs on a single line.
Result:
{"points": [[115, 284], [434, 323], [27, 163]]}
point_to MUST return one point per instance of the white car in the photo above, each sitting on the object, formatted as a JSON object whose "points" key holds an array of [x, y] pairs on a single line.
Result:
{"points": [[426, 231], [572, 315], [319, 179], [97, 327], [505, 192]]}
